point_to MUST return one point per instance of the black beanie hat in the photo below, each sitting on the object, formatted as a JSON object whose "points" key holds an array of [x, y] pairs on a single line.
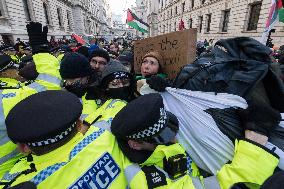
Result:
{"points": [[75, 65], [100, 53], [84, 51]]}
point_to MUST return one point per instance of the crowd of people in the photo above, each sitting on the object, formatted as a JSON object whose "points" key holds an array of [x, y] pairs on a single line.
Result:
{"points": [[75, 116]]}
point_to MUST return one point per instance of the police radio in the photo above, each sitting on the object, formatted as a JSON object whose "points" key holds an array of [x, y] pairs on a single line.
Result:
{"points": [[175, 166]]}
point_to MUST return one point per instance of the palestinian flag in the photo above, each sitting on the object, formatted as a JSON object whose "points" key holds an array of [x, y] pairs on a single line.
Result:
{"points": [[281, 13], [276, 14], [136, 23]]}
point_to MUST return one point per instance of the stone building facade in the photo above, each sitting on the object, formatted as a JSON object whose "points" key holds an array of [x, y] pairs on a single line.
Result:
{"points": [[216, 19], [63, 17]]}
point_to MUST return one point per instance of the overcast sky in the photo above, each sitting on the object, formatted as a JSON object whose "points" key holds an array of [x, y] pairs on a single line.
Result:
{"points": [[118, 6]]}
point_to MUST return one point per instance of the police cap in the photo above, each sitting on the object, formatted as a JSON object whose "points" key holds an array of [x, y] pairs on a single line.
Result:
{"points": [[43, 118], [143, 119], [5, 62]]}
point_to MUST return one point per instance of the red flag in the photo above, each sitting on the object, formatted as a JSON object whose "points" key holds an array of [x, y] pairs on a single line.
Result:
{"points": [[78, 39], [181, 25]]}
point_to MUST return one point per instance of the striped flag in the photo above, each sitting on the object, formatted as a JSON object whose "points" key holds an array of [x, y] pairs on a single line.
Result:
{"points": [[136, 23], [276, 14]]}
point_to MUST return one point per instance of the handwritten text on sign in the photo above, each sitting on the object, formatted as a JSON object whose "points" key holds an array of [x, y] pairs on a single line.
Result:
{"points": [[177, 49]]}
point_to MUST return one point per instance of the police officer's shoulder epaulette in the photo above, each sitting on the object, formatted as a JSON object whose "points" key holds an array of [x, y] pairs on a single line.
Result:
{"points": [[155, 177]]}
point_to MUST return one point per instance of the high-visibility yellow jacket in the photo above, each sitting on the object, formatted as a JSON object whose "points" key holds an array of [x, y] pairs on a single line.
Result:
{"points": [[48, 79], [9, 83], [251, 164], [106, 112], [90, 161]]}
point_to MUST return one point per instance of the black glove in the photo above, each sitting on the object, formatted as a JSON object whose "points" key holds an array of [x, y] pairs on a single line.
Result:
{"points": [[157, 83], [38, 37], [260, 117]]}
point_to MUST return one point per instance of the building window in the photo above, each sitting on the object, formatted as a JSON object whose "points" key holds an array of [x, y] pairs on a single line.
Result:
{"points": [[190, 23], [175, 27], [176, 10], [254, 16], [171, 12], [202, 1], [164, 29], [59, 15], [192, 3], [226, 15], [68, 19], [183, 6], [27, 10], [170, 27], [46, 13], [208, 22], [200, 23], [1, 12]]}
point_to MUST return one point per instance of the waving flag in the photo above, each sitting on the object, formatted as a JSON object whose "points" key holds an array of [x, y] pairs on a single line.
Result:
{"points": [[136, 23], [181, 25], [276, 14]]}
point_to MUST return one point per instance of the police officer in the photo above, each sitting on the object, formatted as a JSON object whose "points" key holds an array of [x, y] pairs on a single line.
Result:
{"points": [[146, 133], [115, 90], [11, 51], [43, 73], [59, 155], [78, 74], [9, 77]]}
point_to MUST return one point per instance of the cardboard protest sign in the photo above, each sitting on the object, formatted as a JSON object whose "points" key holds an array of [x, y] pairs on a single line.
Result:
{"points": [[177, 49]]}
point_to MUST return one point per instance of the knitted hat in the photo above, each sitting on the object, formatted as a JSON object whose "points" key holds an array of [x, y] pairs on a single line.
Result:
{"points": [[92, 48], [155, 54], [75, 65], [100, 53]]}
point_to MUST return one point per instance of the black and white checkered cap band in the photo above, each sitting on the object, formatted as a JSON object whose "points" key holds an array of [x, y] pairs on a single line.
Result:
{"points": [[54, 139], [151, 131], [119, 75]]}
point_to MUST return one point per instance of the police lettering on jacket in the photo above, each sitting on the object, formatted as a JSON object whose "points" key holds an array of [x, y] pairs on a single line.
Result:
{"points": [[100, 175]]}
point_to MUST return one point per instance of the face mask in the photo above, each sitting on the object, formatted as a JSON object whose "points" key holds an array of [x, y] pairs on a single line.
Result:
{"points": [[122, 93], [77, 88]]}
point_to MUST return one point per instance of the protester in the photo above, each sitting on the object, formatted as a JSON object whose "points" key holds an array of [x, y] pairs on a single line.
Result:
{"points": [[152, 79], [114, 48], [127, 59], [99, 59]]}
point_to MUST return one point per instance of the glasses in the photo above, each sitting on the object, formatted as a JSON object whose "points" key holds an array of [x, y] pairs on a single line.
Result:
{"points": [[98, 62], [119, 82]]}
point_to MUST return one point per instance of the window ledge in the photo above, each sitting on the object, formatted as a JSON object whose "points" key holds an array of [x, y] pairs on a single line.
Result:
{"points": [[207, 32], [251, 31], [222, 32], [4, 18]]}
